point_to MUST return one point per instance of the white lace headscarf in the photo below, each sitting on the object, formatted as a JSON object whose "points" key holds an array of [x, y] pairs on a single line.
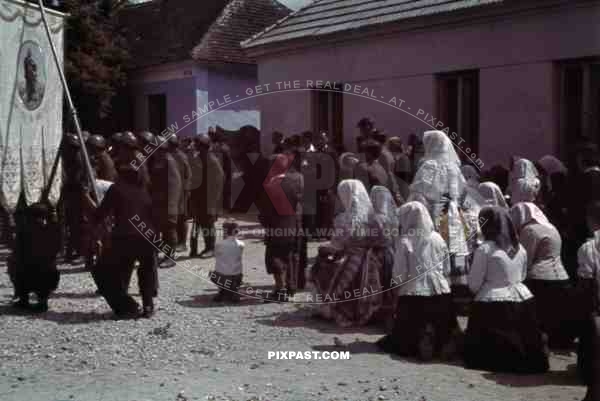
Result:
{"points": [[526, 212], [358, 210], [416, 230], [385, 210], [492, 194], [439, 172], [524, 184]]}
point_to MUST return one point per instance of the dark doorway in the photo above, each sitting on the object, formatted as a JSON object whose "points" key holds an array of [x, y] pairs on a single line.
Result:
{"points": [[157, 113]]}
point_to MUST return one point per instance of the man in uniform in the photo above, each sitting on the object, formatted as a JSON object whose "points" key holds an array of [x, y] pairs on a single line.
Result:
{"points": [[131, 205], [100, 160], [222, 152], [206, 196], [75, 181], [186, 176], [166, 194]]}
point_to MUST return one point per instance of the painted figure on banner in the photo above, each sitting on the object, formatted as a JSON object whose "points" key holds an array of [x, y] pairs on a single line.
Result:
{"points": [[32, 77]]}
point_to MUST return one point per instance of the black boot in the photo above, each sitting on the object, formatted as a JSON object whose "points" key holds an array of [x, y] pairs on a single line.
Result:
{"points": [[194, 247]]}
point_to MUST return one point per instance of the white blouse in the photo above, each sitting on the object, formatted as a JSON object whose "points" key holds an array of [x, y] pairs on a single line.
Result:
{"points": [[588, 258], [424, 271], [495, 277]]}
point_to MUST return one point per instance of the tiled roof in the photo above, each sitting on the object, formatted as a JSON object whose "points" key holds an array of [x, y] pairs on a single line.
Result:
{"points": [[164, 31], [239, 20], [330, 16]]}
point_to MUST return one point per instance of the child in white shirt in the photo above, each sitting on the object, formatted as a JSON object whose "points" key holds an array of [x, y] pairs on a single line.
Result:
{"points": [[228, 271]]}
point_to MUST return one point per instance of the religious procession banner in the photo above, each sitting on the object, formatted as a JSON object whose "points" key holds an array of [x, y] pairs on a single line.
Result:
{"points": [[31, 102]]}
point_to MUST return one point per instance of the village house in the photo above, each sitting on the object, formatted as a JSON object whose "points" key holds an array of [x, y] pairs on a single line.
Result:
{"points": [[186, 54], [505, 77]]}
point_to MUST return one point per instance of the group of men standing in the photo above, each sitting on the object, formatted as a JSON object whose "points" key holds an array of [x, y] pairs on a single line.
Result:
{"points": [[174, 187]]}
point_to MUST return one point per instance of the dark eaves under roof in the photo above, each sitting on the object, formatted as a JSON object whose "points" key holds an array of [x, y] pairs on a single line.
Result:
{"points": [[323, 17]]}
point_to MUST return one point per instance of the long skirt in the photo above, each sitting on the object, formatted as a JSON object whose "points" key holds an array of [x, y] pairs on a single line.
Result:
{"points": [[350, 287], [504, 337], [588, 354], [555, 310], [417, 317]]}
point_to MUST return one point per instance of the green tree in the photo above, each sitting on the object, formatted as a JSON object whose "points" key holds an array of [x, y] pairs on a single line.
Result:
{"points": [[96, 57]]}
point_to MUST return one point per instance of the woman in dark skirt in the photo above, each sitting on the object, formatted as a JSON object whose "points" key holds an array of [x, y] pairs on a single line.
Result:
{"points": [[502, 334], [546, 276], [424, 318], [588, 289]]}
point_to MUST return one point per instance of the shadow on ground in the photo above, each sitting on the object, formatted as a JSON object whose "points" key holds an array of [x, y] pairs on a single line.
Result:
{"points": [[553, 378], [206, 301], [68, 317], [306, 317]]}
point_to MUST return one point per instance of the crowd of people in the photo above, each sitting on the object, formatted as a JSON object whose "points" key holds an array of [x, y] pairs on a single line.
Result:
{"points": [[411, 230]]}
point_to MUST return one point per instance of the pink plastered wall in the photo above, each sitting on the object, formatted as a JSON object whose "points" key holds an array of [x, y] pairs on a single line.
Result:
{"points": [[515, 56]]}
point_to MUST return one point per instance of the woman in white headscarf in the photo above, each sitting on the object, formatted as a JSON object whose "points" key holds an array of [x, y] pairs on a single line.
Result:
{"points": [[546, 276], [424, 316], [524, 183], [347, 276], [503, 333], [440, 185], [492, 195]]}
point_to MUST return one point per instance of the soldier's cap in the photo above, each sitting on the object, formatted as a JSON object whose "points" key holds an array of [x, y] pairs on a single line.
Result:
{"points": [[146, 137], [173, 140], [97, 141], [72, 139], [129, 140], [117, 137], [202, 141]]}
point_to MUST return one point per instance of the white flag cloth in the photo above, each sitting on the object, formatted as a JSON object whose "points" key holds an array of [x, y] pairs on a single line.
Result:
{"points": [[31, 101]]}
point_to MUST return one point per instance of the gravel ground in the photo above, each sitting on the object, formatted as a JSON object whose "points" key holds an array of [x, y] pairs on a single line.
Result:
{"points": [[195, 350]]}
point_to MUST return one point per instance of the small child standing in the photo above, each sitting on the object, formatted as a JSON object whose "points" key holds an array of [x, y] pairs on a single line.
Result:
{"points": [[228, 264]]}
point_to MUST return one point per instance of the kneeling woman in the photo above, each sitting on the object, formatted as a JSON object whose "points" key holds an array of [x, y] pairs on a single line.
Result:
{"points": [[502, 334], [347, 275], [546, 276], [424, 316]]}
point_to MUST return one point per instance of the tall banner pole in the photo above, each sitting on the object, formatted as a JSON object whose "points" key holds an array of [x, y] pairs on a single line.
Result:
{"points": [[72, 109]]}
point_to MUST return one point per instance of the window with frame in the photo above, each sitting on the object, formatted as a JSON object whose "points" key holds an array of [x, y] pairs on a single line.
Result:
{"points": [[328, 113], [458, 107], [579, 103]]}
